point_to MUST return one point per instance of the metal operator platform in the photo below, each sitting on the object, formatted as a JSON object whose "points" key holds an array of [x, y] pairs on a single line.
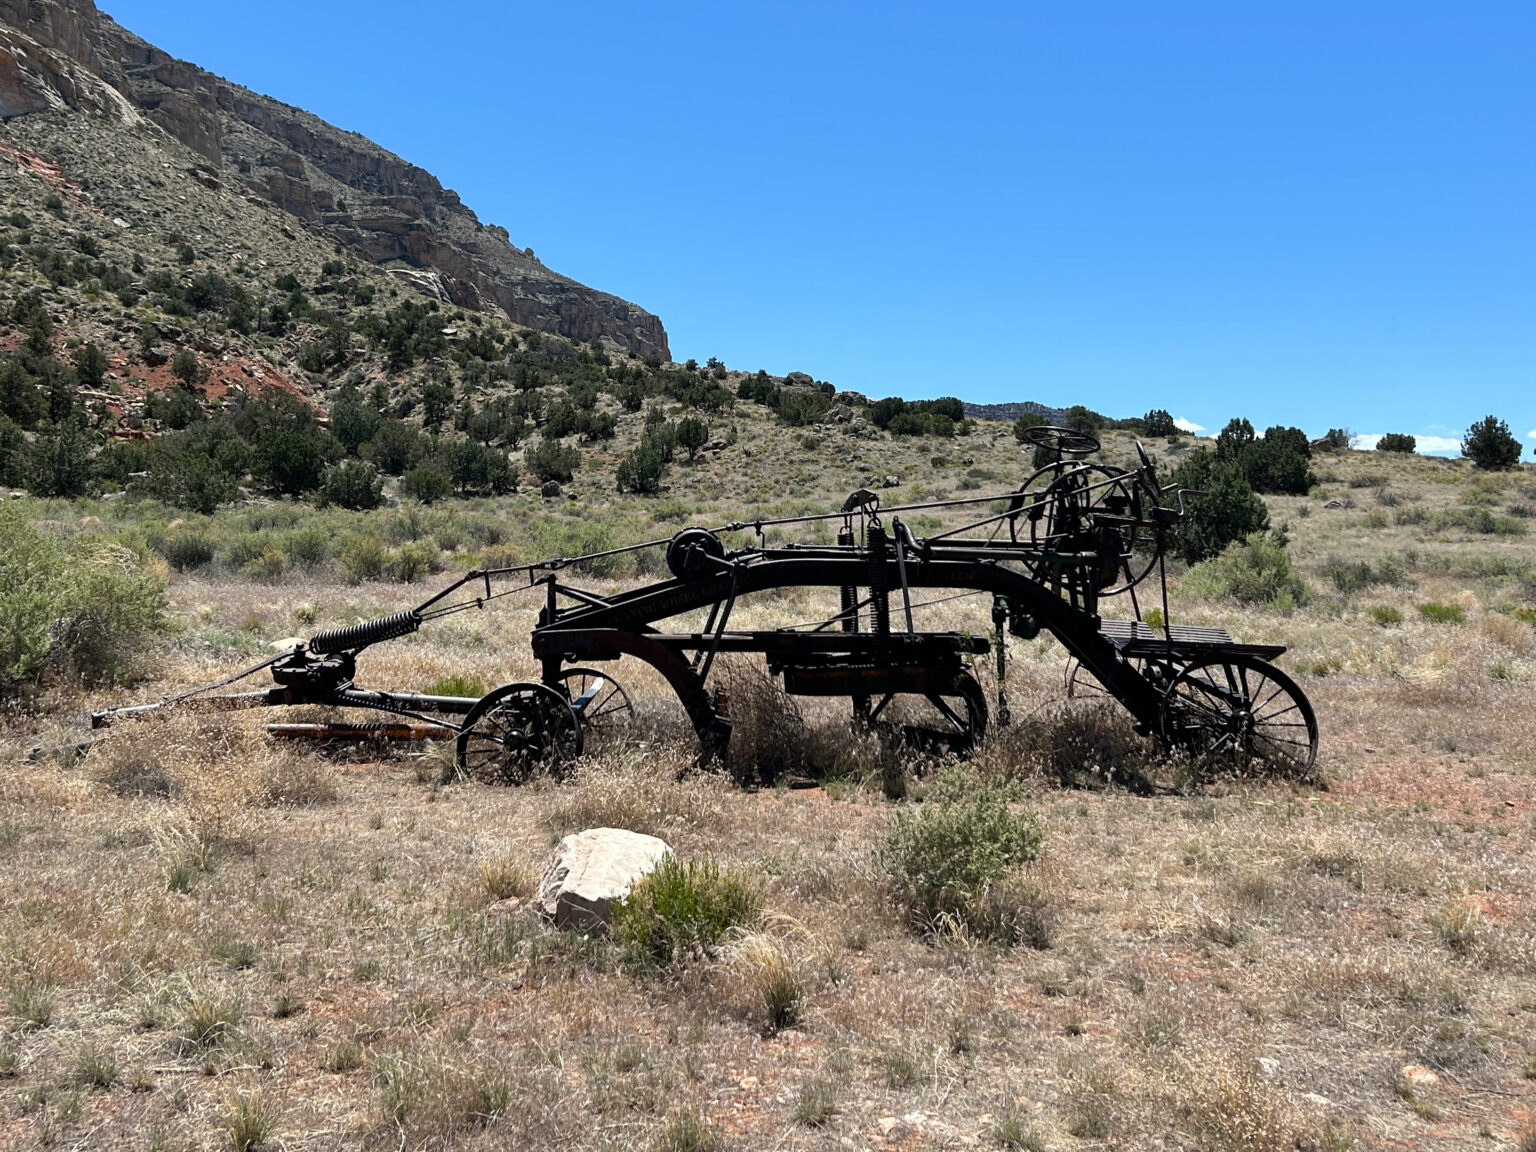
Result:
{"points": [[1047, 553]]}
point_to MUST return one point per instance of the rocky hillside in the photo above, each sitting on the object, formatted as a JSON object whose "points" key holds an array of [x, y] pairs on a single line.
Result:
{"points": [[94, 92]]}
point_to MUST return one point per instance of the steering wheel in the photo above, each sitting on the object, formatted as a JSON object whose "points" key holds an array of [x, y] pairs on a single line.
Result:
{"points": [[1148, 469], [1063, 440]]}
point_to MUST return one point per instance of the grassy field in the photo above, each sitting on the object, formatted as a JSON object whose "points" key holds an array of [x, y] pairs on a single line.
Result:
{"points": [[212, 941]]}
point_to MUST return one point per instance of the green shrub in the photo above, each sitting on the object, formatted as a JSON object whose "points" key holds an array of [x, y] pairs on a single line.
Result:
{"points": [[947, 857], [363, 557], [1227, 511], [683, 910], [1410, 517], [416, 559], [1397, 442], [308, 547], [83, 610], [242, 549], [425, 484], [1255, 570], [267, 567], [352, 484], [288, 462], [187, 480], [1443, 613], [1484, 521], [1386, 615], [692, 434], [1357, 575], [187, 550], [641, 470], [1025, 422]]}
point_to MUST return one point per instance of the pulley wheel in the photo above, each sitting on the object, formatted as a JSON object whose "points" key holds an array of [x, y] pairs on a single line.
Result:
{"points": [[694, 553]]}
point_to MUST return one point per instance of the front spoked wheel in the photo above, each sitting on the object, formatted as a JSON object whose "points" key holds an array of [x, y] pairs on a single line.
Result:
{"points": [[1240, 712], [516, 731], [598, 700]]}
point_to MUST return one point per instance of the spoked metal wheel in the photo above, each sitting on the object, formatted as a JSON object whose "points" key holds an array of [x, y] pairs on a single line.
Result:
{"points": [[518, 730], [953, 722], [1082, 684], [1240, 711], [598, 700]]}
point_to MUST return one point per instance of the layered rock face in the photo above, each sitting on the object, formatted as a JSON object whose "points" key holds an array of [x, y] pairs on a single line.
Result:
{"points": [[57, 53]]}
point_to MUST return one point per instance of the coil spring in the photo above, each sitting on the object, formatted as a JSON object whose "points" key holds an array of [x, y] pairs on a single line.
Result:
{"points": [[355, 637], [849, 594], [879, 579]]}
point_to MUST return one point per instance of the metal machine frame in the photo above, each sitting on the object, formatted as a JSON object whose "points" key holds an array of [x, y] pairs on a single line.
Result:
{"points": [[1047, 553]]}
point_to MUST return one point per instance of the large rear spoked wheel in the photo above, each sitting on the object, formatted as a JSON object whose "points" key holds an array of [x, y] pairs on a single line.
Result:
{"points": [[516, 731], [1241, 712]]}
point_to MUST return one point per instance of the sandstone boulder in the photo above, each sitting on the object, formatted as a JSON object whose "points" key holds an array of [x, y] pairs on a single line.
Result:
{"points": [[837, 414], [550, 489], [589, 870]]}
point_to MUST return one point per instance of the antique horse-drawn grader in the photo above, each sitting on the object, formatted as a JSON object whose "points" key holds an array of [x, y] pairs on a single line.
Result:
{"points": [[1047, 553]]}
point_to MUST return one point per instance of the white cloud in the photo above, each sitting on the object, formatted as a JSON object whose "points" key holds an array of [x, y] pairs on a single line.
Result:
{"points": [[1190, 426], [1531, 435], [1423, 445], [1439, 444]]}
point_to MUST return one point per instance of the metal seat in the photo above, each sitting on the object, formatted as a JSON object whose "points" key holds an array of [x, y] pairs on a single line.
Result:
{"points": [[1135, 638]]}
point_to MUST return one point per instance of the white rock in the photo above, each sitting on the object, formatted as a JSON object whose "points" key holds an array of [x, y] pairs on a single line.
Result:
{"points": [[1269, 1066], [590, 870]]}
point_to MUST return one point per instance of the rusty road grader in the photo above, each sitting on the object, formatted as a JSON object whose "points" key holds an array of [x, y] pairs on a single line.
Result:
{"points": [[1047, 554]]}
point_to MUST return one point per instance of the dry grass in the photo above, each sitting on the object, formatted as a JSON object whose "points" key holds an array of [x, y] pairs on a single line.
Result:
{"points": [[194, 917]]}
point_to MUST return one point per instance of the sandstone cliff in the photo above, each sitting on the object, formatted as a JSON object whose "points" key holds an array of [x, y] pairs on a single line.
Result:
{"points": [[65, 54]]}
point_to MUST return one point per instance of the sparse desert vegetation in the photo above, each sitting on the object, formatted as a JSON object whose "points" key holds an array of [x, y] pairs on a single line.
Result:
{"points": [[212, 939]]}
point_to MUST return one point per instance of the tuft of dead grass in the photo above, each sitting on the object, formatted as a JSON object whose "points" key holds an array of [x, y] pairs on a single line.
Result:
{"points": [[640, 790], [506, 873], [1227, 1105], [290, 778], [1075, 744]]}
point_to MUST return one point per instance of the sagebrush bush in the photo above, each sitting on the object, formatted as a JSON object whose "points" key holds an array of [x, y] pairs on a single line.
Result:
{"points": [[187, 550], [946, 856], [363, 557], [84, 610], [683, 910], [1254, 570], [416, 559], [1357, 575]]}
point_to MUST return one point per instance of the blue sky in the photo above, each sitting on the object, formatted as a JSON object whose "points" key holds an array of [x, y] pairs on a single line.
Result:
{"points": [[1314, 214]]}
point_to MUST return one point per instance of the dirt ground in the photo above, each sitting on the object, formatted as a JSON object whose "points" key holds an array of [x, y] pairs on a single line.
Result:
{"points": [[208, 937]]}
